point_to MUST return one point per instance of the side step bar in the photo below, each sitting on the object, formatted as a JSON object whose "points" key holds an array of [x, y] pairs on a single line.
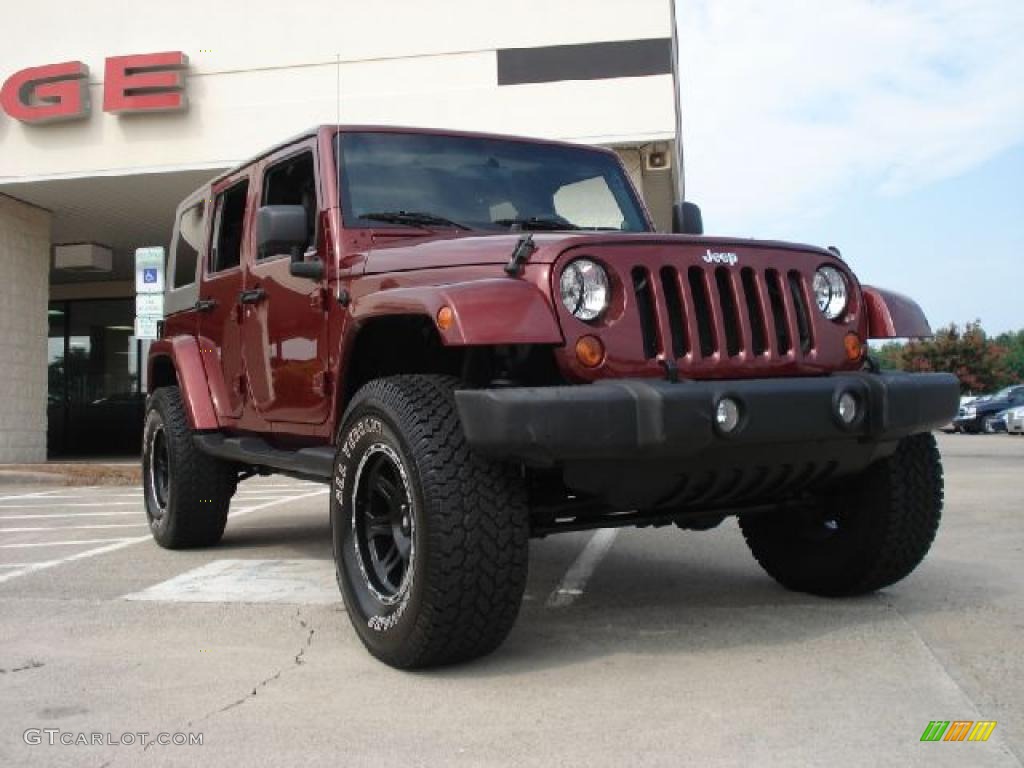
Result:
{"points": [[310, 463]]}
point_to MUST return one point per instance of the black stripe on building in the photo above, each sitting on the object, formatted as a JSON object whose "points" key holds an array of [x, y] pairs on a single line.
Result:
{"points": [[586, 61]]}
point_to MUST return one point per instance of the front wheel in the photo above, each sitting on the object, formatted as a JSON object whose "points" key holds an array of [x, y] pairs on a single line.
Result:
{"points": [[430, 540], [869, 533]]}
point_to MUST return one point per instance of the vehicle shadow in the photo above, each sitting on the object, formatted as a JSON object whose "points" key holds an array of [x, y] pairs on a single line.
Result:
{"points": [[694, 605], [301, 539], [689, 595]]}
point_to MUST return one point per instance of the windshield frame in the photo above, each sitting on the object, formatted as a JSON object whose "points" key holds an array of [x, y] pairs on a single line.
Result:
{"points": [[350, 221]]}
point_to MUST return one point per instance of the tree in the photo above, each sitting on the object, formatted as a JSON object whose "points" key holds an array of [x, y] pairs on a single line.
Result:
{"points": [[890, 355], [980, 363], [1013, 343]]}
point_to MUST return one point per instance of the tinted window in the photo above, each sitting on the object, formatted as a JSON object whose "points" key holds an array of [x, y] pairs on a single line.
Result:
{"points": [[228, 228], [293, 182], [186, 250], [485, 183]]}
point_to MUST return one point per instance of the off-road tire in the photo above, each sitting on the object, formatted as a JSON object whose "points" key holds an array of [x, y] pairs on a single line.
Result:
{"points": [[868, 533], [464, 569], [189, 508]]}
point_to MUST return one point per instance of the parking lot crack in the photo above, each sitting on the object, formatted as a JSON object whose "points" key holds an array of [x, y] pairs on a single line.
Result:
{"points": [[299, 658], [30, 664]]}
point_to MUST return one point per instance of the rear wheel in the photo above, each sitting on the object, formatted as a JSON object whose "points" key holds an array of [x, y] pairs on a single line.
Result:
{"points": [[430, 540], [867, 534], [187, 493]]}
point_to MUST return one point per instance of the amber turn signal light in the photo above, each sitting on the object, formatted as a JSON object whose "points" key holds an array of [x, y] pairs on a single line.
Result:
{"points": [[854, 346], [589, 351], [445, 318]]}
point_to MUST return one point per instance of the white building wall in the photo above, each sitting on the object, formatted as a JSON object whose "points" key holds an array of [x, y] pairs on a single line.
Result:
{"points": [[262, 71], [24, 289]]}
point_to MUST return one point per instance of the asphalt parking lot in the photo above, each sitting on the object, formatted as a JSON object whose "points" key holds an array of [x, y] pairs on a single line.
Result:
{"points": [[645, 647]]}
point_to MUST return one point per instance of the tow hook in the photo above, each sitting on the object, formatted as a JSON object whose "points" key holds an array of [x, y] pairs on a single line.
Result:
{"points": [[671, 369]]}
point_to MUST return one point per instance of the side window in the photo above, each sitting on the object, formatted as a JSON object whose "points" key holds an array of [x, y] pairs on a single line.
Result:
{"points": [[229, 224], [293, 182], [186, 250]]}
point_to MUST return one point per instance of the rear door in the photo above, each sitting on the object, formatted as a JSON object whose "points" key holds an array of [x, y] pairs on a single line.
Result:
{"points": [[285, 327], [220, 314]]}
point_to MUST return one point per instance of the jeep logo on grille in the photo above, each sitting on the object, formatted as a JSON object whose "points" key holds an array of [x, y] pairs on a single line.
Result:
{"points": [[713, 257]]}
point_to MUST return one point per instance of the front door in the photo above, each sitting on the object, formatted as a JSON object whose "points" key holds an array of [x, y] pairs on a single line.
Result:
{"points": [[220, 314], [285, 327]]}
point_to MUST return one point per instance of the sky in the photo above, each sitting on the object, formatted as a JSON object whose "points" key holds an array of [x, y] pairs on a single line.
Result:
{"points": [[891, 129]]}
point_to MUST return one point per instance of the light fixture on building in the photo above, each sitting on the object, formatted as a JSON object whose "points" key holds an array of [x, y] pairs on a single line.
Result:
{"points": [[82, 257], [657, 158]]}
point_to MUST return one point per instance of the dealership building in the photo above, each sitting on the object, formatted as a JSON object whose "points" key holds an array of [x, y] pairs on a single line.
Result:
{"points": [[110, 116]]}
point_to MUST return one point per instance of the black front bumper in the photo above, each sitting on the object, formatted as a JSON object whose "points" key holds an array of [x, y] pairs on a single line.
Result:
{"points": [[640, 419]]}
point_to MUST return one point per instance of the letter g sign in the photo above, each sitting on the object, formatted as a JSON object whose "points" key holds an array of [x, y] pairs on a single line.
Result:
{"points": [[47, 94]]}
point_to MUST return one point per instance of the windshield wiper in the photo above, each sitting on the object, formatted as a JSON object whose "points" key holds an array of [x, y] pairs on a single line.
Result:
{"points": [[413, 219], [536, 222]]}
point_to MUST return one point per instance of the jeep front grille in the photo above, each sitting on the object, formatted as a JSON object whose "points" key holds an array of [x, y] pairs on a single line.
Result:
{"points": [[720, 311]]}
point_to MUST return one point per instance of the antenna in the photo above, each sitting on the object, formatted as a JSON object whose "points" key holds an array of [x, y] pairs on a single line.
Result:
{"points": [[677, 99], [337, 119]]}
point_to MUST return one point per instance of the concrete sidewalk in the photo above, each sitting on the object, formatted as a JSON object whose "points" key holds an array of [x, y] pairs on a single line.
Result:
{"points": [[125, 471]]}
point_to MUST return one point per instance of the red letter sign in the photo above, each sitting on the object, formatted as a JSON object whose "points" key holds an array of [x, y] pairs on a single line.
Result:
{"points": [[47, 94], [149, 82]]}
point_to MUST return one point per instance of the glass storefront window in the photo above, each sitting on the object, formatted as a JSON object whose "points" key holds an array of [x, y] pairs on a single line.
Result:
{"points": [[96, 404]]}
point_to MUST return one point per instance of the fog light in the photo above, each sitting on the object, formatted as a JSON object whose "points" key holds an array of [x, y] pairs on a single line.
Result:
{"points": [[727, 414], [847, 408]]}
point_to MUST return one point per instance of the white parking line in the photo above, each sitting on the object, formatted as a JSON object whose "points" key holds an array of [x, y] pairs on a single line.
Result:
{"points": [[74, 527], [73, 504], [115, 544], [35, 495], [51, 515], [582, 567], [70, 543]]}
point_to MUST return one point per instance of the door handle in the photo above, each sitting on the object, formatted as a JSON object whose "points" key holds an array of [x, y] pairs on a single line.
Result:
{"points": [[205, 305], [252, 296]]}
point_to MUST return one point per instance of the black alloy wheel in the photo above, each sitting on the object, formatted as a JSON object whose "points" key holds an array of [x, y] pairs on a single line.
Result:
{"points": [[383, 522]]}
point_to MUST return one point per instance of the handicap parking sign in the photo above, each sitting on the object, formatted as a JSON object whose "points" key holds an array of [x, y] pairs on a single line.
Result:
{"points": [[149, 270]]}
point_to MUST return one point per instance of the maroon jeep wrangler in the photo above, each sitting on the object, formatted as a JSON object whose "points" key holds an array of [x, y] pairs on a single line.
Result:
{"points": [[478, 339]]}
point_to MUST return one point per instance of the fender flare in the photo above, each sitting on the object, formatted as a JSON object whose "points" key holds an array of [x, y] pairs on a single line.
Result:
{"points": [[892, 315], [485, 312], [184, 354]]}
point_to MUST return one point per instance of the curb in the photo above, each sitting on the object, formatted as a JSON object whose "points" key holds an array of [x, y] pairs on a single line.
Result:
{"points": [[70, 474]]}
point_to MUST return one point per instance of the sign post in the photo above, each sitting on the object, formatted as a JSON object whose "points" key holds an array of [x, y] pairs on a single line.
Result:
{"points": [[149, 291]]}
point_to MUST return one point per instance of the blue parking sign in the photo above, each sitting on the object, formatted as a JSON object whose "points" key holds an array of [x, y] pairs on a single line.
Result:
{"points": [[149, 270]]}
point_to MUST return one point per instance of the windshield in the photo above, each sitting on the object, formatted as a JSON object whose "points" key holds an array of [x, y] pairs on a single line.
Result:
{"points": [[411, 179]]}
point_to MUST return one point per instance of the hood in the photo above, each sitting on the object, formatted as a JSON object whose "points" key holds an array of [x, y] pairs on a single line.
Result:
{"points": [[456, 249]]}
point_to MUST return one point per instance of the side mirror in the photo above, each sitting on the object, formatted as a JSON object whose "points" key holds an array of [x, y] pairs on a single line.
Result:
{"points": [[281, 229], [687, 219]]}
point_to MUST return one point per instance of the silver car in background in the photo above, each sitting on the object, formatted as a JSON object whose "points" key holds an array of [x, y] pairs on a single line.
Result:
{"points": [[1015, 420]]}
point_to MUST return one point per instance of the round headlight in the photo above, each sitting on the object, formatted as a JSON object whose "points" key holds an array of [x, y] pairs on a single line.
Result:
{"points": [[831, 293], [584, 288]]}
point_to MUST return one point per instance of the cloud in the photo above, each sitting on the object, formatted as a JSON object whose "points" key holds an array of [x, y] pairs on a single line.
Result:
{"points": [[789, 103]]}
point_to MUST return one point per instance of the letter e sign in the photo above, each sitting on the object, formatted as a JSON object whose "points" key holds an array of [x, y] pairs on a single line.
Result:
{"points": [[148, 82]]}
